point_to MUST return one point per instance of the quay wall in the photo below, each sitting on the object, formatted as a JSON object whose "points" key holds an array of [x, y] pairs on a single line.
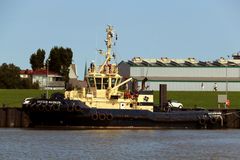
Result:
{"points": [[13, 118]]}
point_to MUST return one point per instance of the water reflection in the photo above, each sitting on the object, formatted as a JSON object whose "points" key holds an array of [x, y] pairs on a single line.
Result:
{"points": [[119, 144]]}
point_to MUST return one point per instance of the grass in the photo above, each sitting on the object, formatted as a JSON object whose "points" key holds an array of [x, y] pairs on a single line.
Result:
{"points": [[190, 99], [15, 97]]}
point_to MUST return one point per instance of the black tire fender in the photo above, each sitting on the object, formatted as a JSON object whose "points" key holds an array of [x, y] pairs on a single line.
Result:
{"points": [[56, 107], [33, 107], [201, 120], [70, 108], [213, 120], [77, 108], [94, 116], [48, 108], [109, 117], [102, 116], [41, 107]]}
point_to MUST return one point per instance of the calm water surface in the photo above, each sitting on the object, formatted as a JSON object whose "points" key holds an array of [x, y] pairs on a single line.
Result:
{"points": [[119, 144]]}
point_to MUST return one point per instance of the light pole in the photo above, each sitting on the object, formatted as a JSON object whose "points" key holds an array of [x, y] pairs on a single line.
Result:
{"points": [[226, 82], [227, 76], [47, 77]]}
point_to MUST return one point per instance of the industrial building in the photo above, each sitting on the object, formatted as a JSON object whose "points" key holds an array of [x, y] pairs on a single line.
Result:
{"points": [[184, 74]]}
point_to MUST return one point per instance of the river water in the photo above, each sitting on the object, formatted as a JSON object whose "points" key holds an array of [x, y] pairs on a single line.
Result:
{"points": [[25, 144]]}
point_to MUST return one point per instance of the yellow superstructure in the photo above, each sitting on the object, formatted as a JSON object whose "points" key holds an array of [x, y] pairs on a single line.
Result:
{"points": [[103, 84]]}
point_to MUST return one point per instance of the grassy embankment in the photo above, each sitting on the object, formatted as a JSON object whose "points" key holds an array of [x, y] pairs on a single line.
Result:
{"points": [[14, 97], [192, 99]]}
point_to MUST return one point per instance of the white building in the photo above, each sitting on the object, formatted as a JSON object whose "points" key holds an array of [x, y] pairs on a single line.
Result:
{"points": [[45, 79], [185, 74]]}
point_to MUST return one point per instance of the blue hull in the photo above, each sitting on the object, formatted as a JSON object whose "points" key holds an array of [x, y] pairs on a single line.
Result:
{"points": [[77, 114]]}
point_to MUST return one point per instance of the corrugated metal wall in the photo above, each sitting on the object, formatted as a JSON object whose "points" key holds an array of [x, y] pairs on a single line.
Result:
{"points": [[226, 78], [185, 71], [193, 86]]}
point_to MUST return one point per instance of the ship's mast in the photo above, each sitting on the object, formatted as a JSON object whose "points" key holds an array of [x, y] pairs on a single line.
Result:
{"points": [[109, 31], [108, 41]]}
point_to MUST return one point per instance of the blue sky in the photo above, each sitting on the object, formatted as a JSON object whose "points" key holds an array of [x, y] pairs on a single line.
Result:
{"points": [[206, 29]]}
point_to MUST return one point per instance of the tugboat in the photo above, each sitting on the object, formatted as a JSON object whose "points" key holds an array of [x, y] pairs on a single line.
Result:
{"points": [[103, 105]]}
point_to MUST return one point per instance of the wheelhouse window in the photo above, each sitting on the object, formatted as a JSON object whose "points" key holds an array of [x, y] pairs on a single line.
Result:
{"points": [[118, 81], [98, 83], [91, 82], [105, 83], [113, 82]]}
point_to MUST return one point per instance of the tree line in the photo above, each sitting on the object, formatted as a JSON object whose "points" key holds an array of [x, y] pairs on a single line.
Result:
{"points": [[58, 61], [10, 78]]}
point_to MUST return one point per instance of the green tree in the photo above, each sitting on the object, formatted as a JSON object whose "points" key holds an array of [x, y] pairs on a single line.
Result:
{"points": [[37, 59], [59, 61], [26, 83], [9, 76]]}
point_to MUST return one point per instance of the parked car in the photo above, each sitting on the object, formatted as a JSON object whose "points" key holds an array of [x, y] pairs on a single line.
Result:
{"points": [[175, 104]]}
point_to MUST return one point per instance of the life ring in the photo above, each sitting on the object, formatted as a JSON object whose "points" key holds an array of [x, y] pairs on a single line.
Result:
{"points": [[213, 120], [77, 108], [102, 116], [109, 117], [94, 116]]}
